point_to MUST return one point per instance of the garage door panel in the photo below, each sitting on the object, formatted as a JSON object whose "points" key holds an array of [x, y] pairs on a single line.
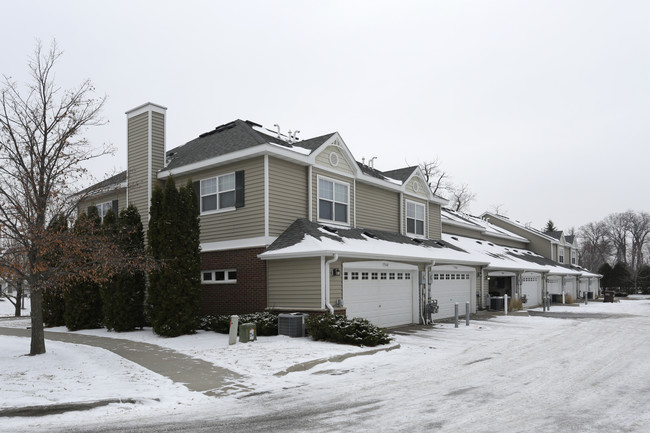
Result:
{"points": [[531, 288], [450, 288], [384, 298]]}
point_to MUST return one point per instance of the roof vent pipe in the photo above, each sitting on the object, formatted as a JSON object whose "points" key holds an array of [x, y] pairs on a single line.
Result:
{"points": [[371, 162], [278, 126]]}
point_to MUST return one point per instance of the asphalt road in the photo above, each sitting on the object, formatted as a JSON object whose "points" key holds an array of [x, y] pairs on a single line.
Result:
{"points": [[583, 375]]}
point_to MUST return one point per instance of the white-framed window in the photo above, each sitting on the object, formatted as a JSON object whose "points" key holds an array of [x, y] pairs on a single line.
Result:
{"points": [[414, 218], [219, 276], [218, 193], [560, 255], [333, 200], [573, 258], [103, 209]]}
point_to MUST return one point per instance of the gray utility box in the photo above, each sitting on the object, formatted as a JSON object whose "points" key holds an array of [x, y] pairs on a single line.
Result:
{"points": [[292, 325], [247, 332]]}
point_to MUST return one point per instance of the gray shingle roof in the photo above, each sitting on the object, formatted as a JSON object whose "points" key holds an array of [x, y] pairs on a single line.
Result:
{"points": [[371, 171], [228, 138], [111, 182], [401, 174], [554, 234]]}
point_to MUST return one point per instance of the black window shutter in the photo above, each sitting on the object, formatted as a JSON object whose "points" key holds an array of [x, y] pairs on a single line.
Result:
{"points": [[197, 190], [114, 205], [239, 188]]}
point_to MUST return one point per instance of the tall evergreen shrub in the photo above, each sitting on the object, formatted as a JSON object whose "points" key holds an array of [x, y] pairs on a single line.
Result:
{"points": [[53, 300], [83, 302], [123, 297], [174, 295]]}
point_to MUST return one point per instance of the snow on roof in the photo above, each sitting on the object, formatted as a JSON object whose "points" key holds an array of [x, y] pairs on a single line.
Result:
{"points": [[479, 224], [306, 238], [523, 226], [508, 258]]}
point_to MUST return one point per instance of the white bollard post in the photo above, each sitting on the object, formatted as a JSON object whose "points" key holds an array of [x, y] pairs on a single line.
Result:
{"points": [[232, 335], [456, 315], [466, 313], [505, 304]]}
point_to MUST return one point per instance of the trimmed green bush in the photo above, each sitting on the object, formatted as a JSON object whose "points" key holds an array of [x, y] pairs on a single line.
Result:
{"points": [[266, 323], [53, 307], [340, 329]]}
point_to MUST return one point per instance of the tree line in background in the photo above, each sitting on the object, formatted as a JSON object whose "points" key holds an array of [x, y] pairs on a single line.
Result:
{"points": [[618, 247]]}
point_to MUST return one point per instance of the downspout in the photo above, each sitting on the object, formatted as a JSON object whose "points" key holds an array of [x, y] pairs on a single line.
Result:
{"points": [[483, 288], [327, 282], [427, 287]]}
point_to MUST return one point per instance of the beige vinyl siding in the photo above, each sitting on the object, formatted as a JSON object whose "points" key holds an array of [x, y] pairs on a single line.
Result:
{"points": [[461, 231], [294, 283], [288, 194], [137, 164], [435, 225], [537, 244], [323, 158], [157, 144], [377, 208], [336, 282], [506, 242], [241, 223], [314, 187], [119, 195]]}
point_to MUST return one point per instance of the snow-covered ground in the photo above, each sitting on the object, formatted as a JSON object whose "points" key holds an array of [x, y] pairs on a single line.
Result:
{"points": [[507, 374]]}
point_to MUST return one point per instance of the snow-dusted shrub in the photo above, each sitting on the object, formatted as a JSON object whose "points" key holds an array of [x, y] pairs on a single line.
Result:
{"points": [[340, 329], [568, 299], [266, 323]]}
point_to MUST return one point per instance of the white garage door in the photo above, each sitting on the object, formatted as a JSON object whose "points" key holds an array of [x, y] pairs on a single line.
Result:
{"points": [[449, 288], [384, 297], [554, 286], [531, 288], [584, 286], [570, 287]]}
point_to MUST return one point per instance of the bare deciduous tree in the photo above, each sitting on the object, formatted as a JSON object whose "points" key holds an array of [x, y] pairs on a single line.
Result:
{"points": [[41, 151], [618, 228], [595, 246], [460, 197], [436, 178]]}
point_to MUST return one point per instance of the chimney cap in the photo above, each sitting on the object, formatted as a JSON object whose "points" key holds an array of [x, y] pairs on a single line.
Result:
{"points": [[148, 106]]}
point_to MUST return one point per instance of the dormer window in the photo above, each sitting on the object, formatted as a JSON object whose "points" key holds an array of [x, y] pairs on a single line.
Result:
{"points": [[333, 201], [560, 255], [414, 218]]}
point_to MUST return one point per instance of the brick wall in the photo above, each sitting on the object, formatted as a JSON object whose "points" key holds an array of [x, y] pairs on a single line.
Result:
{"points": [[247, 295]]}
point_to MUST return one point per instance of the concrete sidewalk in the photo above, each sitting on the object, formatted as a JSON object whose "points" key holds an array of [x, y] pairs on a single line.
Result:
{"points": [[196, 374]]}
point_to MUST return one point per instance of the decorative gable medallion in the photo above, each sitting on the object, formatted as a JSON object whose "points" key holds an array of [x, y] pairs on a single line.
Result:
{"points": [[334, 159], [416, 186]]}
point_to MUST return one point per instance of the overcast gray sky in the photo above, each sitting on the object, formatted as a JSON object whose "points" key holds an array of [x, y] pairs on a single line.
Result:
{"points": [[541, 107]]}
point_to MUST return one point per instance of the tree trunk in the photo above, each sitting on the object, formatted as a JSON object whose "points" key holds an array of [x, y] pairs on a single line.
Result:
{"points": [[19, 298], [38, 336]]}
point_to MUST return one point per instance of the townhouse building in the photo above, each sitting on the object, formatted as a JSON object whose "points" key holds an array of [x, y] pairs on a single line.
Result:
{"points": [[291, 224]]}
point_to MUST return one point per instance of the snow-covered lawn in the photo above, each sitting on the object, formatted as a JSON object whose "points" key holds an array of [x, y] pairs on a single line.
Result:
{"points": [[508, 374]]}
